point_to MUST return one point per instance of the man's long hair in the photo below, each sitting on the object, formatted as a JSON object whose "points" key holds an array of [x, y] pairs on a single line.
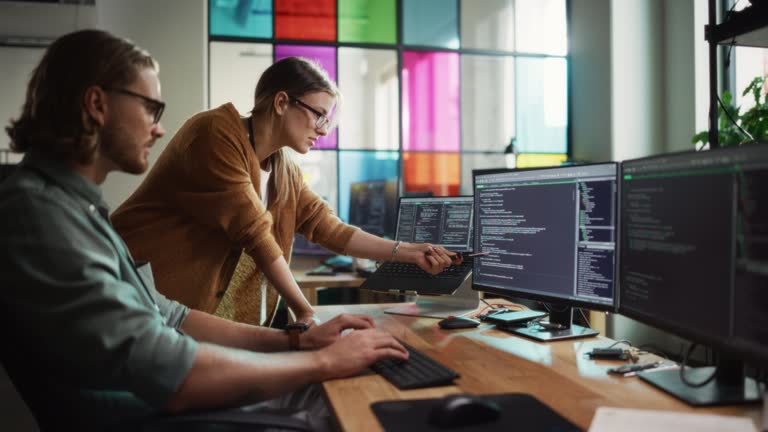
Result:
{"points": [[54, 119]]}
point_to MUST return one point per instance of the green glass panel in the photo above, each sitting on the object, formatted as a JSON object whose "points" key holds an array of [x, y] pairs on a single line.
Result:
{"points": [[367, 21]]}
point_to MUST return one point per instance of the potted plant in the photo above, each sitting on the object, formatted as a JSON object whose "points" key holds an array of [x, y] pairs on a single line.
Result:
{"points": [[754, 121]]}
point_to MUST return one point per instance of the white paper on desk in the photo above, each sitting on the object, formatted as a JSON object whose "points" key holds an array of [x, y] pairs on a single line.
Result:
{"points": [[609, 419]]}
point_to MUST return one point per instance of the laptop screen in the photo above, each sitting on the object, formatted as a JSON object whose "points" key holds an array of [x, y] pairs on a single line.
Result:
{"points": [[444, 221]]}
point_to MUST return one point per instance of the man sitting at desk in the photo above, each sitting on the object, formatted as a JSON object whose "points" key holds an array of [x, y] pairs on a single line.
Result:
{"points": [[87, 339]]}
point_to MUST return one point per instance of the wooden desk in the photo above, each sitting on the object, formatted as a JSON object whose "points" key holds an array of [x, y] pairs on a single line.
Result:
{"points": [[492, 361], [300, 265]]}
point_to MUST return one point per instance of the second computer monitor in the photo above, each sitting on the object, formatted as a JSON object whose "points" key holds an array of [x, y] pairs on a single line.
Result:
{"points": [[550, 235], [445, 221], [372, 206]]}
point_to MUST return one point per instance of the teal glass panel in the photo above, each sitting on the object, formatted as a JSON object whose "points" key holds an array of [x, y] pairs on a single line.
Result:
{"points": [[358, 166], [369, 81], [431, 23], [244, 18], [367, 21], [542, 108], [487, 102]]}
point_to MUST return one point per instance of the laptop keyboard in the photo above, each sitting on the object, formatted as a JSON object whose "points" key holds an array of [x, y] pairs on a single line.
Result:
{"points": [[411, 270], [417, 372]]}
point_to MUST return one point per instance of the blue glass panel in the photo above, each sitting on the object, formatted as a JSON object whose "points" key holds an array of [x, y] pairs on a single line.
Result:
{"points": [[431, 23], [542, 109], [246, 18], [357, 166]]}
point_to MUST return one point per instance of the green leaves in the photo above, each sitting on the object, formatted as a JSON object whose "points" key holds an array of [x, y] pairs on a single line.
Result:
{"points": [[754, 121]]}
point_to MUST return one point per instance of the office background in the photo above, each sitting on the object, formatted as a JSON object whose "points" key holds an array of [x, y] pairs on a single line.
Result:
{"points": [[635, 73]]}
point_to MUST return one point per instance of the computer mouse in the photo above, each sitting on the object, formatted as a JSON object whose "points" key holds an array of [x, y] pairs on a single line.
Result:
{"points": [[463, 410], [457, 322]]}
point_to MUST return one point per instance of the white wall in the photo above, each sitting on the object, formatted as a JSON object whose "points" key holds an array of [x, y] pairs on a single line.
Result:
{"points": [[174, 31]]}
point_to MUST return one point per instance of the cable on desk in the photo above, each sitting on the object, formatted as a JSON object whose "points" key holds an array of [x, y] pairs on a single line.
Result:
{"points": [[583, 315], [682, 370]]}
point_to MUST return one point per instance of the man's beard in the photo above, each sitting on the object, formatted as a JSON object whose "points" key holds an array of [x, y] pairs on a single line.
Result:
{"points": [[123, 149]]}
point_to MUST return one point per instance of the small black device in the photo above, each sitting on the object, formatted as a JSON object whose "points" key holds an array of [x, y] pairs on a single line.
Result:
{"points": [[457, 322], [463, 410], [510, 317], [608, 354]]}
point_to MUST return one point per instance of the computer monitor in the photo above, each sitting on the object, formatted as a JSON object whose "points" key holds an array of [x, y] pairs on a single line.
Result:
{"points": [[444, 221], [302, 246], [694, 262], [372, 206], [550, 235]]}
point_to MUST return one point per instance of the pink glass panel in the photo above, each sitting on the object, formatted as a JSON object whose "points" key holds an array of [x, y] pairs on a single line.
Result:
{"points": [[430, 101], [326, 57]]}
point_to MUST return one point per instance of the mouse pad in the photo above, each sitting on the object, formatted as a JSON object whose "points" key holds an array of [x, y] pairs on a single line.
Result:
{"points": [[519, 412]]}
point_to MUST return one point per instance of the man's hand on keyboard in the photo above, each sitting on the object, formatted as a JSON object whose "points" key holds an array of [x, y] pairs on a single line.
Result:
{"points": [[327, 333], [358, 351]]}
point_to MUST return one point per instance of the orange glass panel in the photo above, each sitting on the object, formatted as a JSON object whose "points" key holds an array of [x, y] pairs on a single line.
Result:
{"points": [[305, 19], [439, 173]]}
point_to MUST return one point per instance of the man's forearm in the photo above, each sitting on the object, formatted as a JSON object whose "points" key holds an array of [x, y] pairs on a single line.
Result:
{"points": [[204, 327], [224, 377]]}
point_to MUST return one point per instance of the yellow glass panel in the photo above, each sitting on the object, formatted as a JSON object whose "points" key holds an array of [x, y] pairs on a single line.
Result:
{"points": [[532, 160]]}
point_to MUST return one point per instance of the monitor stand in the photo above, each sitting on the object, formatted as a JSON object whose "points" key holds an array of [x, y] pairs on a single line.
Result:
{"points": [[463, 301], [730, 386], [560, 326]]}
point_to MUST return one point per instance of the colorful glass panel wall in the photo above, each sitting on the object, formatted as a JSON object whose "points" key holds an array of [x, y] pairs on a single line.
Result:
{"points": [[432, 89]]}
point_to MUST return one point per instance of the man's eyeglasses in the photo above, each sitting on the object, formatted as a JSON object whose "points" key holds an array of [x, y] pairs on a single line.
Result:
{"points": [[322, 120], [153, 106]]}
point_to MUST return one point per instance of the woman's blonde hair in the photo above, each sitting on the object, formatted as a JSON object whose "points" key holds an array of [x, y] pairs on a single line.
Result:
{"points": [[296, 76]]}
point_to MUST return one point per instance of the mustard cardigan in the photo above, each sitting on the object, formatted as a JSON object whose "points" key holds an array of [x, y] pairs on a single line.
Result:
{"points": [[198, 210]]}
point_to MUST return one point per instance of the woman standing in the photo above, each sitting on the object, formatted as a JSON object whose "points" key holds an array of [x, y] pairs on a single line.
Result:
{"points": [[217, 213]]}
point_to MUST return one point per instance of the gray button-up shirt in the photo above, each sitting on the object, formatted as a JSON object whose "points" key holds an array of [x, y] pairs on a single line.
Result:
{"points": [[86, 337]]}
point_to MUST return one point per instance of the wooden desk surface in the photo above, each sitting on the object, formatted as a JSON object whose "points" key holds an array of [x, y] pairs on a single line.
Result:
{"points": [[492, 361], [300, 265]]}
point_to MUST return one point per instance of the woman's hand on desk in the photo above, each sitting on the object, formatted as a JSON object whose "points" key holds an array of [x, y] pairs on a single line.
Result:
{"points": [[357, 351], [322, 335]]}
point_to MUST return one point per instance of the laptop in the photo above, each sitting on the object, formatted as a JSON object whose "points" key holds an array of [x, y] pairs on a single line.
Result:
{"points": [[444, 221]]}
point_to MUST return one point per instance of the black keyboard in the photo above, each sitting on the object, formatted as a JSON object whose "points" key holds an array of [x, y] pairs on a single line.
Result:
{"points": [[417, 372], [411, 270]]}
